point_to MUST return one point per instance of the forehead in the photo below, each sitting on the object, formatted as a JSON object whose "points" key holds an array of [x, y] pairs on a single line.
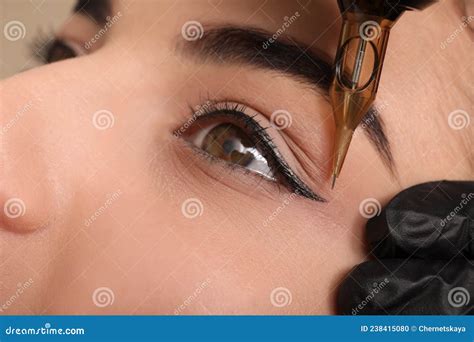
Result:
{"points": [[311, 21]]}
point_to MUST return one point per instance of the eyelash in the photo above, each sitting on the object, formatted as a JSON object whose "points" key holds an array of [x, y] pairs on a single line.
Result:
{"points": [[41, 46], [236, 113]]}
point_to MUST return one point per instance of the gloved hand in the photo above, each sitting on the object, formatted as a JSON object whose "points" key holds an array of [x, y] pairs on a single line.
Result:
{"points": [[423, 248]]}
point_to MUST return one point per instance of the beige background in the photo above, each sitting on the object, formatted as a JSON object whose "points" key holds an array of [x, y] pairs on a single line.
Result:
{"points": [[36, 16]]}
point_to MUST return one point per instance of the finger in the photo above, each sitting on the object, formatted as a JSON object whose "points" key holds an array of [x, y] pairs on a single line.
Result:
{"points": [[408, 287], [430, 220]]}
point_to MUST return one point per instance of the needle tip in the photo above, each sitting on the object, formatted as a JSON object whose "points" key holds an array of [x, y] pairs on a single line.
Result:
{"points": [[333, 180], [343, 139]]}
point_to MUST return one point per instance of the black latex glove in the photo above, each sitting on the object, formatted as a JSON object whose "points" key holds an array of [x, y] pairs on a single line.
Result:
{"points": [[423, 248]]}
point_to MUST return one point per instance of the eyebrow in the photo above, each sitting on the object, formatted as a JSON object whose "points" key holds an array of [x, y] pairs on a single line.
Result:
{"points": [[98, 10], [246, 45], [255, 47]]}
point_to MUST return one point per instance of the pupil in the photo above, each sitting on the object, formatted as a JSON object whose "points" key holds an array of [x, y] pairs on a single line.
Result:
{"points": [[228, 146], [230, 143]]}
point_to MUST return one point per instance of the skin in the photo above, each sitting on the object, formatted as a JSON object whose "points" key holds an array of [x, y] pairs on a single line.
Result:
{"points": [[229, 259]]}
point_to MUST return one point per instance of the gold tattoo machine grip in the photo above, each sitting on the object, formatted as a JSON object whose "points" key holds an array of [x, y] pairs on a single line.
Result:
{"points": [[358, 66]]}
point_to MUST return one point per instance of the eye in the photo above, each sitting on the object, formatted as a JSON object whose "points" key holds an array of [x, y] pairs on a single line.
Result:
{"points": [[49, 49], [231, 143], [59, 50], [230, 132]]}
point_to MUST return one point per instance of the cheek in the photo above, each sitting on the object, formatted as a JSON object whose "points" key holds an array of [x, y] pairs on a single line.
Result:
{"points": [[84, 183], [283, 266], [280, 242]]}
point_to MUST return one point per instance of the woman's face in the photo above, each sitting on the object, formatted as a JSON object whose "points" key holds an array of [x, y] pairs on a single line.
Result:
{"points": [[181, 163]]}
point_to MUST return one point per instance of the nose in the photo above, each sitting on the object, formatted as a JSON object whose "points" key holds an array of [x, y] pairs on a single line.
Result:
{"points": [[29, 184]]}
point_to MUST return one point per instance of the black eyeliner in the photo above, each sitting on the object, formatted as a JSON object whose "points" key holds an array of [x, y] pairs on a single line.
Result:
{"points": [[236, 113]]}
